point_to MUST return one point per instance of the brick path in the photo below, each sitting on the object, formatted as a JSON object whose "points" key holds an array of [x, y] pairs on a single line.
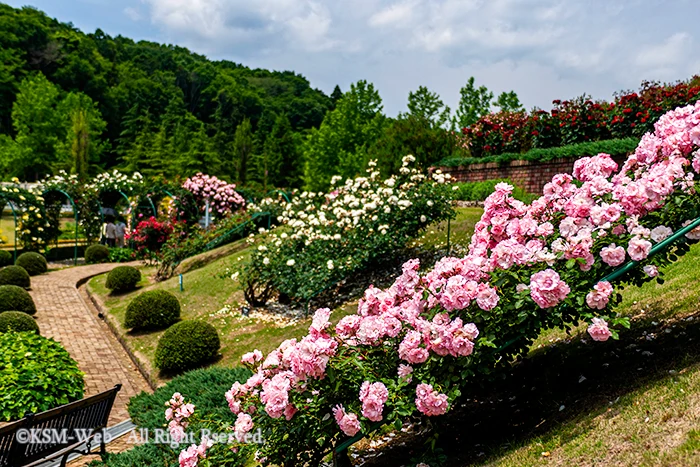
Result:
{"points": [[63, 315]]}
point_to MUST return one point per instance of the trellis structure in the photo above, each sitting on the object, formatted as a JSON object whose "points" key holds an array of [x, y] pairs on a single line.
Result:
{"points": [[76, 218]]}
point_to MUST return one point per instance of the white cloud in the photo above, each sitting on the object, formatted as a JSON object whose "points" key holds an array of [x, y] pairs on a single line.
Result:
{"points": [[543, 49], [133, 13]]}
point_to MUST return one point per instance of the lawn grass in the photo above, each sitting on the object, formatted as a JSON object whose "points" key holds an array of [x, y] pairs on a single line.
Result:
{"points": [[212, 298], [461, 230]]}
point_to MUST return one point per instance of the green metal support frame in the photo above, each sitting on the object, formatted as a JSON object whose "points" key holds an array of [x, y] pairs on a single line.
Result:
{"points": [[616, 274], [14, 215]]}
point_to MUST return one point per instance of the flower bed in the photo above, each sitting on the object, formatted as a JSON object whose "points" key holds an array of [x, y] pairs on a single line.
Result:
{"points": [[414, 347], [331, 236], [579, 120]]}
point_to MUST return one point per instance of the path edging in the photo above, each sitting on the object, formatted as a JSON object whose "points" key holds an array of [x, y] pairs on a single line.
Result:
{"points": [[107, 319]]}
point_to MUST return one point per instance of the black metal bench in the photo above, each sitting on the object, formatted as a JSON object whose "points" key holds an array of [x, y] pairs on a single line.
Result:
{"points": [[58, 432]]}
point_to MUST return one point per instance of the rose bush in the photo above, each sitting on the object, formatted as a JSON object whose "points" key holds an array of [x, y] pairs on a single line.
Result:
{"points": [[222, 196], [327, 237], [414, 347], [580, 120]]}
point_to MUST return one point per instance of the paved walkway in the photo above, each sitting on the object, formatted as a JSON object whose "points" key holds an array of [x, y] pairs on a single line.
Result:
{"points": [[63, 315]]}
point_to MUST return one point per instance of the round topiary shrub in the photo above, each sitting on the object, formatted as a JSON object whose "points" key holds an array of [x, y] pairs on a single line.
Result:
{"points": [[18, 322], [155, 309], [186, 345], [37, 374], [15, 275], [13, 298], [5, 258], [95, 254], [123, 278], [34, 263]]}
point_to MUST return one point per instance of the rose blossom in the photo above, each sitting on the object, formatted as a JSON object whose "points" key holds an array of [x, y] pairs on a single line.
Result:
{"points": [[547, 289], [638, 248], [598, 330], [430, 402], [405, 372], [599, 297], [660, 233], [613, 255], [373, 396], [244, 423], [651, 270], [348, 422]]}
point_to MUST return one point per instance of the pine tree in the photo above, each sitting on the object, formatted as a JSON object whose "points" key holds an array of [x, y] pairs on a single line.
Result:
{"points": [[243, 149]]}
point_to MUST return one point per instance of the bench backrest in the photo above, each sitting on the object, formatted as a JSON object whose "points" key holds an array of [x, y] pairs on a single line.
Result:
{"points": [[55, 429]]}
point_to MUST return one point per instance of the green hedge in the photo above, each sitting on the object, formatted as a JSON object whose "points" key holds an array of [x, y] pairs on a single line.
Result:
{"points": [[18, 322], [204, 388], [34, 263], [187, 345], [95, 254], [123, 279], [154, 309], [479, 191], [15, 275], [13, 298], [36, 374], [614, 147], [5, 258]]}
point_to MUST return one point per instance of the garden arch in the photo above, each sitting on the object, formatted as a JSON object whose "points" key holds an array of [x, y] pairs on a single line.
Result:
{"points": [[76, 217]]}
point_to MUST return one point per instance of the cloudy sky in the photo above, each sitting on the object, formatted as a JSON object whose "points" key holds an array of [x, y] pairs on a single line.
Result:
{"points": [[542, 49]]}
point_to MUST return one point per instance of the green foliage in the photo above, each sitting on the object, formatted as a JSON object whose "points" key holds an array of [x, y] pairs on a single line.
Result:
{"points": [[95, 254], [278, 164], [614, 147], [204, 387], [15, 275], [14, 298], [34, 263], [156, 101], [337, 235], [473, 103], [242, 150], [479, 191], [36, 374], [427, 105], [339, 146], [123, 279], [412, 135], [187, 345], [18, 322], [121, 255], [154, 309], [5, 258], [508, 102]]}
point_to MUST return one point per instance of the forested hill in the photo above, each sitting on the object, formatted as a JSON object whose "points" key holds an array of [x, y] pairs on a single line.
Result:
{"points": [[159, 109]]}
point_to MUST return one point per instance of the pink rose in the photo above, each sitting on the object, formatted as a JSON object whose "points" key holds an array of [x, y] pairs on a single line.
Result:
{"points": [[599, 297], [373, 396], [651, 270], [348, 422], [638, 248], [613, 255], [547, 289], [430, 402], [598, 330]]}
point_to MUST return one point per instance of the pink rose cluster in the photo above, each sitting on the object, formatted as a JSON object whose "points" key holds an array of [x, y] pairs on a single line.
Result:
{"points": [[222, 196], [598, 216], [191, 456], [430, 402], [177, 415]]}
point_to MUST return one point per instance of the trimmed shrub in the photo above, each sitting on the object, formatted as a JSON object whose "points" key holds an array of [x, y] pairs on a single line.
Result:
{"points": [[155, 309], [37, 374], [34, 263], [123, 279], [13, 298], [96, 254], [5, 258], [18, 322], [15, 275], [203, 387], [187, 345]]}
